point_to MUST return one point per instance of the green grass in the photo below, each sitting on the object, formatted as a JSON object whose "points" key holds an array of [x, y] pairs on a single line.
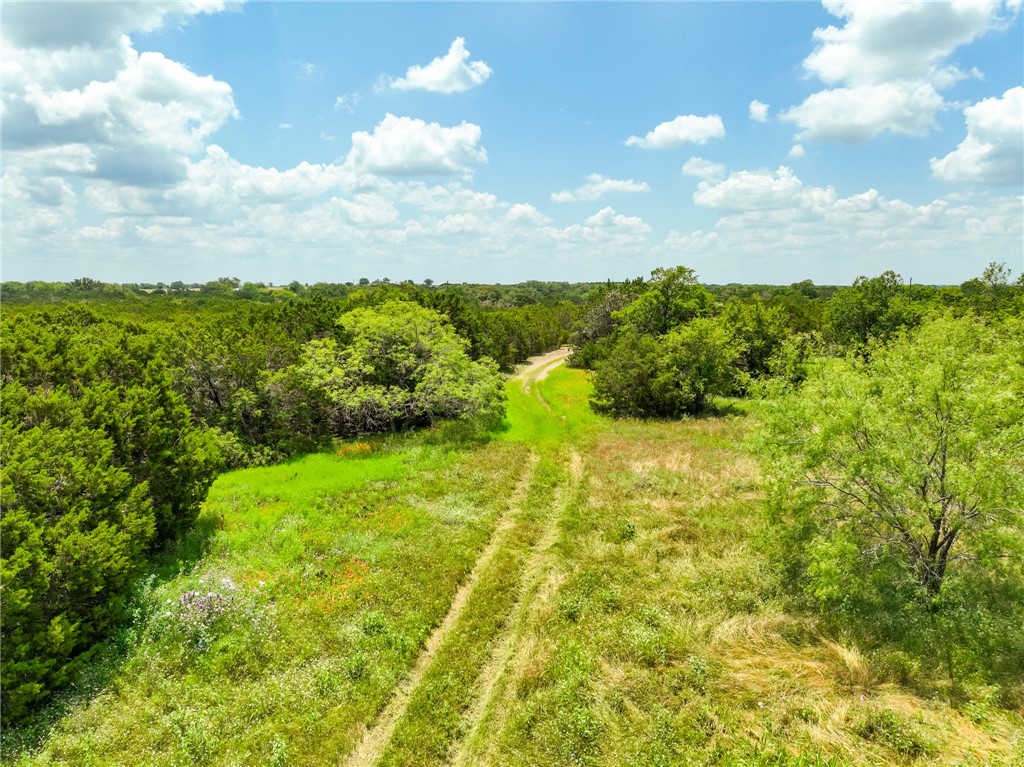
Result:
{"points": [[628, 616], [337, 568]]}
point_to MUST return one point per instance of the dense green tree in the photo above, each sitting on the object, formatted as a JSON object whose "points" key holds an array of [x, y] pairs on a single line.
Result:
{"points": [[904, 473], [993, 292], [758, 330], [669, 376], [627, 382], [672, 296], [100, 462], [400, 366], [700, 357], [872, 309]]}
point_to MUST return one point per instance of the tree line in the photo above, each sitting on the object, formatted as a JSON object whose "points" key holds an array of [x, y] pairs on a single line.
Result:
{"points": [[891, 438], [118, 415]]}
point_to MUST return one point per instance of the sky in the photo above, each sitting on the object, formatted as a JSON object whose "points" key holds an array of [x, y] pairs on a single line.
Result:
{"points": [[754, 142]]}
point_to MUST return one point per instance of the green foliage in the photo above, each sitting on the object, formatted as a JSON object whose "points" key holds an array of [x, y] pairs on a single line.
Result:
{"points": [[672, 296], [873, 309], [759, 332], [900, 484], [892, 730], [511, 336], [237, 374], [100, 462], [401, 367], [790, 362], [668, 376], [993, 292]]}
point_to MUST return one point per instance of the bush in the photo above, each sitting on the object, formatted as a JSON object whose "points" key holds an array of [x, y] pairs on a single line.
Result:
{"points": [[100, 463], [890, 729], [402, 367], [665, 377], [898, 486]]}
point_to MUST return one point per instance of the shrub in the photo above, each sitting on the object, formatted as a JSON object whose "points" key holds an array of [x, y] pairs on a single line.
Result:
{"points": [[100, 463]]}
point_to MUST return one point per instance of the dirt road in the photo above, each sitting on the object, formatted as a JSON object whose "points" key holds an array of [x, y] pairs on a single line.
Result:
{"points": [[537, 368]]}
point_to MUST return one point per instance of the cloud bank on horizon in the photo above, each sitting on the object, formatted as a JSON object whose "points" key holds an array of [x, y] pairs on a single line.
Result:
{"points": [[134, 151]]}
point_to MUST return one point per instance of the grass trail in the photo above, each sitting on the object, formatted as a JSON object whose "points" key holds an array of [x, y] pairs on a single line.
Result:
{"points": [[435, 715], [377, 738], [575, 592]]}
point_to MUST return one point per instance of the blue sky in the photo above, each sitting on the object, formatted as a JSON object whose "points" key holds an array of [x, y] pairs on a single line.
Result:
{"points": [[486, 142]]}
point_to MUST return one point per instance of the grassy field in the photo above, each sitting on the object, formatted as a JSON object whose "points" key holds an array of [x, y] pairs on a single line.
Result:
{"points": [[574, 591]]}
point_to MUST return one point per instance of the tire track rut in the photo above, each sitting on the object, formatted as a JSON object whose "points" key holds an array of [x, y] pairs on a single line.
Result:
{"points": [[376, 739]]}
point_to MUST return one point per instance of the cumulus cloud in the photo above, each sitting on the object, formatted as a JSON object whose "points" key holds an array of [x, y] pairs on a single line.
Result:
{"points": [[858, 114], [136, 128], [884, 42], [887, 64], [701, 168], [750, 190], [683, 129], [597, 186], [797, 151], [522, 214], [608, 218], [69, 24], [450, 73], [993, 150], [606, 229], [773, 223], [109, 162], [403, 146], [758, 111]]}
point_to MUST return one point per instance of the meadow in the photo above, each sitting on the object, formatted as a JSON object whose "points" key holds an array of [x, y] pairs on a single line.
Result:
{"points": [[573, 590]]}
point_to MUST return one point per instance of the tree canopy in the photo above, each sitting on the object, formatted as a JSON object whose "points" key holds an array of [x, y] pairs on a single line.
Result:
{"points": [[906, 471], [400, 366]]}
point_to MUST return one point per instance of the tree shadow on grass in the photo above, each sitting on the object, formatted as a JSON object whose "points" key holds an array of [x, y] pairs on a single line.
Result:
{"points": [[718, 409], [465, 434], [104, 661]]}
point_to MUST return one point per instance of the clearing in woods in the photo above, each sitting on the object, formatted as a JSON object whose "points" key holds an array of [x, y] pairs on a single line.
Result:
{"points": [[575, 591]]}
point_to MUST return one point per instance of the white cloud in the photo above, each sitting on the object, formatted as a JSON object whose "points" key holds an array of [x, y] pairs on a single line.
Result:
{"points": [[796, 151], [285, 126], [450, 198], [887, 64], [860, 113], [624, 235], [597, 186], [522, 214], [450, 73], [348, 102], [403, 146], [884, 41], [993, 150], [701, 168], [758, 111], [51, 26], [774, 224], [608, 218], [683, 129], [750, 190], [136, 128]]}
